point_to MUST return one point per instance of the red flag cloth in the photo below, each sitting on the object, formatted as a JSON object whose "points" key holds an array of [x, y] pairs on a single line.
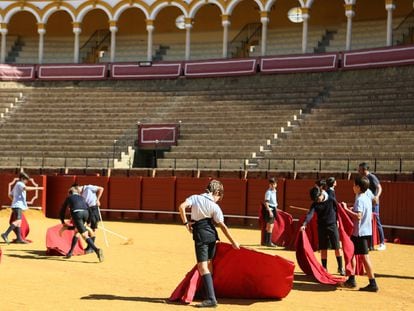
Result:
{"points": [[283, 229], [243, 273], [188, 287], [309, 264], [345, 230], [24, 227], [59, 245]]}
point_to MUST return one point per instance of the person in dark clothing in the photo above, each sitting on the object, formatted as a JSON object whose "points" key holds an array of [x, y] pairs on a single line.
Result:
{"points": [[325, 207], [330, 187], [204, 213], [79, 213]]}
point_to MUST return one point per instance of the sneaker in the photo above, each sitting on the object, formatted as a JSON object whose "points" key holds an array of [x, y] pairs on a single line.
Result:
{"points": [[207, 304], [5, 239], [100, 255], [341, 271], [270, 244], [349, 284], [88, 250], [68, 255], [381, 247], [369, 288]]}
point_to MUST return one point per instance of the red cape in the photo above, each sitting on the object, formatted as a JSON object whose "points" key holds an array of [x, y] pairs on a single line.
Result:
{"points": [[283, 231], [59, 245], [24, 227], [309, 264], [243, 273]]}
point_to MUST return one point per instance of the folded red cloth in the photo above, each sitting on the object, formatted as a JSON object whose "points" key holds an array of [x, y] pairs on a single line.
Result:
{"points": [[59, 244], [241, 274]]}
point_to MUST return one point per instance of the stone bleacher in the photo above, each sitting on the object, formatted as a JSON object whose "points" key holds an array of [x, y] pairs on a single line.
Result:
{"points": [[364, 121], [223, 121]]}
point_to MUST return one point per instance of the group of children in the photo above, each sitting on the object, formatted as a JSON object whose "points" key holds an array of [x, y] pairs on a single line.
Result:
{"points": [[83, 203], [206, 213], [325, 206]]}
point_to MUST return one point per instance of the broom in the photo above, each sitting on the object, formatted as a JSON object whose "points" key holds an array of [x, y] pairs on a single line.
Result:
{"points": [[128, 241]]}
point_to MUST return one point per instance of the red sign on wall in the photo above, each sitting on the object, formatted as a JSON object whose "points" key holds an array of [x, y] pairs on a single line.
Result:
{"points": [[154, 136]]}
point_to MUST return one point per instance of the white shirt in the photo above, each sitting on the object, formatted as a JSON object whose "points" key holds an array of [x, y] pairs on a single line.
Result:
{"points": [[270, 197], [19, 196], [203, 206], [89, 194]]}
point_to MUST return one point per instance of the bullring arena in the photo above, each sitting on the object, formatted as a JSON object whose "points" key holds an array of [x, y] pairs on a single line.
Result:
{"points": [[152, 99]]}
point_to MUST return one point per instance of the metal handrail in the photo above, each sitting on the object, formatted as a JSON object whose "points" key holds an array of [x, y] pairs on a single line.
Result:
{"points": [[399, 31], [374, 163], [245, 35]]}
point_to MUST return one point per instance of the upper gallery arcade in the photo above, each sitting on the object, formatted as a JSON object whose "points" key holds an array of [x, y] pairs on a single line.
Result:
{"points": [[187, 21]]}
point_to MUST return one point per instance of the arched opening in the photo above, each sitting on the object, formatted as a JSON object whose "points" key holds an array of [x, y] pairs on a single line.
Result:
{"points": [[22, 39], [131, 38], [284, 36], [169, 40], [403, 32], [95, 37], [207, 33], [328, 21], [58, 39], [245, 29]]}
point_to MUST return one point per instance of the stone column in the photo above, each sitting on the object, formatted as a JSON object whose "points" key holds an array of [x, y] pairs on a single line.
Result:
{"points": [[3, 54], [264, 19], [349, 13], [77, 31], [42, 31], [305, 16], [389, 6], [188, 26], [113, 29], [225, 21], [150, 30]]}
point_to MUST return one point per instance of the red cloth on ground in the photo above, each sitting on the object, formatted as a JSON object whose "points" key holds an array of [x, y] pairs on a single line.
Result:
{"points": [[309, 264], [59, 245], [283, 229], [242, 274], [188, 287], [24, 227]]}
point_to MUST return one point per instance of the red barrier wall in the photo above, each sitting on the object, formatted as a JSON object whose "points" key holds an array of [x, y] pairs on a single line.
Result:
{"points": [[234, 200], [102, 181], [344, 192], [57, 191], [72, 72], [163, 70], [187, 186], [220, 67], [124, 193], [17, 72], [396, 204], [4, 188], [299, 63], [297, 195], [158, 194]]}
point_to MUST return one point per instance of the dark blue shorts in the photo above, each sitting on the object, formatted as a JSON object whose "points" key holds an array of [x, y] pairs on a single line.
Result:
{"points": [[17, 212], [205, 251]]}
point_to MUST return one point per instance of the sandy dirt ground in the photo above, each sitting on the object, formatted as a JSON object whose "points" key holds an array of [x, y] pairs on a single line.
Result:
{"points": [[142, 276]]}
